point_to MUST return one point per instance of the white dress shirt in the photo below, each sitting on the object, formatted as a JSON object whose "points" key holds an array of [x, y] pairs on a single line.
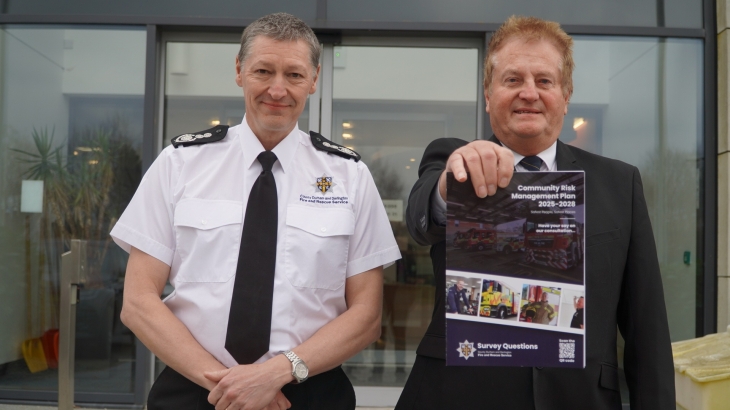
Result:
{"points": [[188, 212], [438, 204]]}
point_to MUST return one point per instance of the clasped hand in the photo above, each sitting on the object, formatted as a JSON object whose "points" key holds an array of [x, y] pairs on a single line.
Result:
{"points": [[247, 387]]}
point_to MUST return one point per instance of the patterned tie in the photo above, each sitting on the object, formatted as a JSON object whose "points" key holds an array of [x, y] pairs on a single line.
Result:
{"points": [[532, 163], [249, 321]]}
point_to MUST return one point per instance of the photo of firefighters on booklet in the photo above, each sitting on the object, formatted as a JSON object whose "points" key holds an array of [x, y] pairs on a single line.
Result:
{"points": [[515, 272]]}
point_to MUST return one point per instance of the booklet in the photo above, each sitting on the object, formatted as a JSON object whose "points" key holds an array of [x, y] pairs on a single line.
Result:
{"points": [[515, 272]]}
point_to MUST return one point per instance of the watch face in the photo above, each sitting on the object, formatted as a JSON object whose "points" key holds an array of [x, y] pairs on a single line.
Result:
{"points": [[301, 370]]}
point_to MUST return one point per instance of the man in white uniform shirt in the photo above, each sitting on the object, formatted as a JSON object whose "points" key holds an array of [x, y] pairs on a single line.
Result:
{"points": [[186, 222]]}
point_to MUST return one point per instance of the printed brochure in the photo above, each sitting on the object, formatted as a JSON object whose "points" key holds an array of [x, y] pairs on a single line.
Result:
{"points": [[515, 272]]}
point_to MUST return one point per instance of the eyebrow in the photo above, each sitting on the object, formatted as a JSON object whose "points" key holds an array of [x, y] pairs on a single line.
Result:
{"points": [[287, 67]]}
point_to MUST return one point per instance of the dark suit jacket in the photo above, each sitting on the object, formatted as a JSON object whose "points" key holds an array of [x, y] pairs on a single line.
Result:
{"points": [[623, 288]]}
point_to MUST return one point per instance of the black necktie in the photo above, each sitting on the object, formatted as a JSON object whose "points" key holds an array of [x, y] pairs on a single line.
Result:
{"points": [[249, 321], [533, 163]]}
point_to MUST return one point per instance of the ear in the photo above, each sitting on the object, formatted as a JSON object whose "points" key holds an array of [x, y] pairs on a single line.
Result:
{"points": [[313, 89], [567, 102], [239, 74]]}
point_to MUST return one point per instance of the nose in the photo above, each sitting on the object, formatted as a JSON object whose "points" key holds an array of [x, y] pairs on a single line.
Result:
{"points": [[529, 91], [277, 89]]}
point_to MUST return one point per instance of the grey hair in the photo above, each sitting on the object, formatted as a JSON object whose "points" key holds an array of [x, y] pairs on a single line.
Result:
{"points": [[281, 27]]}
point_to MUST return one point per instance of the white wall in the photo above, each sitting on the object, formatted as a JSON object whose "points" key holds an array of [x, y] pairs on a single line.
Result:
{"points": [[203, 69]]}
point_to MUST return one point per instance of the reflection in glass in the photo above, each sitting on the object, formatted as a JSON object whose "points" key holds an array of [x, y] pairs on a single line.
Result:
{"points": [[71, 121], [640, 101], [388, 104]]}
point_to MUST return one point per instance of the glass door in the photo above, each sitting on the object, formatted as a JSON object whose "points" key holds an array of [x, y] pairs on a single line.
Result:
{"points": [[388, 103]]}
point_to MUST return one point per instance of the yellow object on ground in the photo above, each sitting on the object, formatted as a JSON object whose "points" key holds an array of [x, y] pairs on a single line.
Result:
{"points": [[34, 356], [702, 372]]}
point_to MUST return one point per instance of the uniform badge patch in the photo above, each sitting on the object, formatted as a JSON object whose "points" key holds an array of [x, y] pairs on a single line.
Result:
{"points": [[323, 144], [324, 184], [214, 134]]}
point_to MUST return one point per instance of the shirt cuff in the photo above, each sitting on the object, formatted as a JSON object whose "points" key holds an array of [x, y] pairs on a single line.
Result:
{"points": [[383, 258], [438, 207], [127, 237]]}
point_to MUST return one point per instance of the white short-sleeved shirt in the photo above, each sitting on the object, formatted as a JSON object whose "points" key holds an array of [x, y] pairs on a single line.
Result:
{"points": [[188, 212]]}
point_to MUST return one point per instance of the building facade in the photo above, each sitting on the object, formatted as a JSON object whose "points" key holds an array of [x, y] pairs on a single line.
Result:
{"points": [[90, 92]]}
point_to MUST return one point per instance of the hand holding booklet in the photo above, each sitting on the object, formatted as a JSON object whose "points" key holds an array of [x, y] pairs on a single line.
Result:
{"points": [[515, 272]]}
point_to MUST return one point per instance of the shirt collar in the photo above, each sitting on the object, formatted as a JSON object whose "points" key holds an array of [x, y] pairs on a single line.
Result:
{"points": [[252, 147], [548, 156]]}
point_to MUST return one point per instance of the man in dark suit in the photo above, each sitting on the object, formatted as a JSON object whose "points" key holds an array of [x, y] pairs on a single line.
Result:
{"points": [[527, 87]]}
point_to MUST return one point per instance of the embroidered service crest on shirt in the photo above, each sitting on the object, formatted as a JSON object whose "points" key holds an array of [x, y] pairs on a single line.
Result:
{"points": [[324, 184]]}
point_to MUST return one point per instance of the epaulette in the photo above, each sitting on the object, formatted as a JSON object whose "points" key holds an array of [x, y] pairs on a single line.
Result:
{"points": [[214, 134], [323, 144]]}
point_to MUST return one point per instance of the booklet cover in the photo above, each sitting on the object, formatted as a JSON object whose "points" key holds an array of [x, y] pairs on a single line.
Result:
{"points": [[515, 272]]}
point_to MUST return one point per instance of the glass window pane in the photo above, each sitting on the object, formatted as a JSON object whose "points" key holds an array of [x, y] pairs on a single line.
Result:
{"points": [[678, 13], [70, 118], [640, 100], [200, 95], [242, 9], [388, 104]]}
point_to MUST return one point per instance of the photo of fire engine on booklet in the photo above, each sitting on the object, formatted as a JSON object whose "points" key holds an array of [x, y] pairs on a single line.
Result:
{"points": [[515, 272]]}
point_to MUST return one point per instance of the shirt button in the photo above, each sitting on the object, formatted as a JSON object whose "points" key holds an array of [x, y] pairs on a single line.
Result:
{"points": [[203, 222], [323, 229]]}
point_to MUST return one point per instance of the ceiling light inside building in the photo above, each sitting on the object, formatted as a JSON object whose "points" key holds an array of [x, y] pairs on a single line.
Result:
{"points": [[215, 122], [347, 136], [347, 125], [578, 122]]}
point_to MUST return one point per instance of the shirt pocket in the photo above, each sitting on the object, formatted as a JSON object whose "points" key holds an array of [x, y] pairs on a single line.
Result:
{"points": [[316, 246], [207, 235]]}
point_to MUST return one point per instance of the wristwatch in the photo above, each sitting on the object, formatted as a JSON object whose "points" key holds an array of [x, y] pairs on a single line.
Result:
{"points": [[299, 369]]}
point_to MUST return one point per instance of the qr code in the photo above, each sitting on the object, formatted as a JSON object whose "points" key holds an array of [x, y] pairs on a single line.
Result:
{"points": [[567, 350]]}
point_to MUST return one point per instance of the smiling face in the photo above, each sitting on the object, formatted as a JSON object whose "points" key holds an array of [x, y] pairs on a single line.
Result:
{"points": [[525, 99], [276, 78], [460, 285]]}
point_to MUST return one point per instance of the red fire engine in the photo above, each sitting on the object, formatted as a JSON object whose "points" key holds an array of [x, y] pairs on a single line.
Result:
{"points": [[556, 249]]}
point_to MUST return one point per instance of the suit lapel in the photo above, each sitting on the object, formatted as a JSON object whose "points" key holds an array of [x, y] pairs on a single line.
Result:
{"points": [[565, 159]]}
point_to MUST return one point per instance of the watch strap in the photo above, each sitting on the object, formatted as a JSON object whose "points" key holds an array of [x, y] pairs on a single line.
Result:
{"points": [[294, 359]]}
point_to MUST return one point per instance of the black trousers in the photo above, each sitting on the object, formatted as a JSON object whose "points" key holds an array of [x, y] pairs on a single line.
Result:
{"points": [[434, 386], [325, 391]]}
